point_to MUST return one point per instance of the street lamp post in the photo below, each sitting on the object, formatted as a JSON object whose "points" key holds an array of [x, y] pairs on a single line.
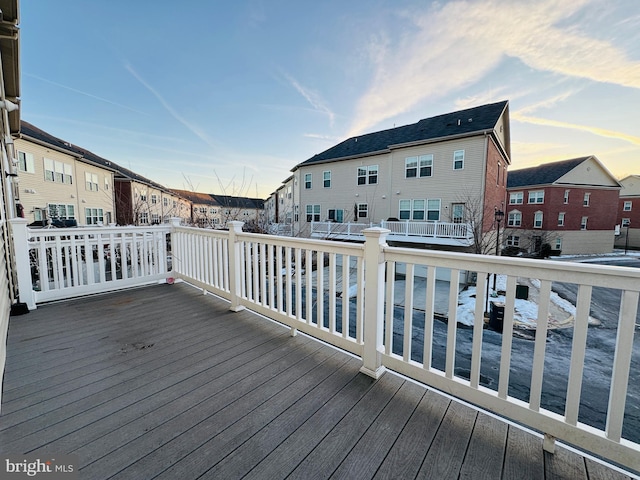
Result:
{"points": [[498, 217]]}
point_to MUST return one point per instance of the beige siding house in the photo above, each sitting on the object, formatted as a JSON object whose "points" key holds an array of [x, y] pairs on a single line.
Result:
{"points": [[59, 181], [441, 169], [629, 213]]}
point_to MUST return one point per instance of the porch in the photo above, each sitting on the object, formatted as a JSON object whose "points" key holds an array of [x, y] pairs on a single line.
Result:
{"points": [[165, 382]]}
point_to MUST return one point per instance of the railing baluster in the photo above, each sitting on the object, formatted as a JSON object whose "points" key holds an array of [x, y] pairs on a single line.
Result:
{"points": [[452, 323], [578, 349], [507, 338], [278, 279], [478, 330], [621, 364], [430, 296], [332, 292], [537, 369], [408, 312], [346, 285], [298, 253], [389, 315], [288, 279], [308, 272], [320, 289]]}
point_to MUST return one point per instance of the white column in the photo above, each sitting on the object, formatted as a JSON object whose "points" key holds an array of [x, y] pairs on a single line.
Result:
{"points": [[375, 241], [235, 274], [23, 266]]}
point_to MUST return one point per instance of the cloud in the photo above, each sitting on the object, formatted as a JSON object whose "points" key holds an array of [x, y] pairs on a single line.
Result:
{"points": [[314, 98], [193, 128], [572, 126], [86, 94], [456, 44]]}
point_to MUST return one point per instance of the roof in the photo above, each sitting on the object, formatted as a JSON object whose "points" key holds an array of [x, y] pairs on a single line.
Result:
{"points": [[221, 200], [471, 121], [40, 136], [544, 174]]}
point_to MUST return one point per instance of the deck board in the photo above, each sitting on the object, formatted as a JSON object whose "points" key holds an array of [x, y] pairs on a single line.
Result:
{"points": [[165, 382]]}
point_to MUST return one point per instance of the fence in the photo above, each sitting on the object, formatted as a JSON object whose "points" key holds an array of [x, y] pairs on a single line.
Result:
{"points": [[367, 299]]}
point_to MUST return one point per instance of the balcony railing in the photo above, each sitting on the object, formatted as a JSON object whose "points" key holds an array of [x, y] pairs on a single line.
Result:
{"points": [[345, 294], [432, 232]]}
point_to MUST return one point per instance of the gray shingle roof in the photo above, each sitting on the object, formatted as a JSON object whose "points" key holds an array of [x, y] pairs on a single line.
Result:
{"points": [[463, 122], [545, 174]]}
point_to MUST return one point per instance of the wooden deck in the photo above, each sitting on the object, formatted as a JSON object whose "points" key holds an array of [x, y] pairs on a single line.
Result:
{"points": [[164, 382]]}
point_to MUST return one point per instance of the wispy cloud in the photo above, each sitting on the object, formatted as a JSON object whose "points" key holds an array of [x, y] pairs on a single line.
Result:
{"points": [[86, 94], [456, 44], [572, 126], [313, 97], [198, 132]]}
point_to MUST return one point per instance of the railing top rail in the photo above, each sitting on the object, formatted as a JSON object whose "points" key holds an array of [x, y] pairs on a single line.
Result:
{"points": [[305, 243], [624, 278], [93, 230]]}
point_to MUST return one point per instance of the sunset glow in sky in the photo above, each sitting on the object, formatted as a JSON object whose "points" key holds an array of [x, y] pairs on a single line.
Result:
{"points": [[227, 97]]}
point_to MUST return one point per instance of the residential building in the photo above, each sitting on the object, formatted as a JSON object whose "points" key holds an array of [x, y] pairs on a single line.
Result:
{"points": [[449, 168], [281, 208], [629, 213], [214, 211], [565, 204], [140, 201], [62, 183]]}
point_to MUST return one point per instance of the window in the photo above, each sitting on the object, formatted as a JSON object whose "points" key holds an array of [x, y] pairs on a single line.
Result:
{"points": [[289, 188], [326, 179], [154, 199], [93, 216], [368, 175], [175, 203], [561, 219], [516, 198], [59, 172], [458, 160], [313, 213], [536, 196], [585, 201], [307, 181], [144, 217], [26, 162], [537, 220], [418, 210], [514, 219], [155, 219], [583, 223], [566, 196], [421, 166], [91, 181], [363, 210], [559, 243], [296, 213], [336, 215], [513, 241], [457, 213], [203, 210], [61, 211], [143, 196], [405, 210], [626, 222], [165, 202], [626, 206], [433, 209]]}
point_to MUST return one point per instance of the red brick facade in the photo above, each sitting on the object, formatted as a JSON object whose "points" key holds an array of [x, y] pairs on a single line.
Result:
{"points": [[495, 186]]}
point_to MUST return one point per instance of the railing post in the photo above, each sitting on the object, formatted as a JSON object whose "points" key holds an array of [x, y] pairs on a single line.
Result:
{"points": [[375, 241], [23, 266], [235, 273]]}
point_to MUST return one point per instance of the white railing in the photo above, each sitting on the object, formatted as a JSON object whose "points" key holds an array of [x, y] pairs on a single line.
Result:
{"points": [[365, 299], [431, 229], [69, 262]]}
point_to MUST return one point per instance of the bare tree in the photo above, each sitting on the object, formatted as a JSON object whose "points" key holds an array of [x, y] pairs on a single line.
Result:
{"points": [[480, 219]]}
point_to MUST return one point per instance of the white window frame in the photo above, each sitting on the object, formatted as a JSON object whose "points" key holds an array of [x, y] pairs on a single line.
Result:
{"points": [[431, 208], [155, 219], [455, 217], [561, 216], [308, 181], [144, 218], [513, 241], [536, 197], [626, 206], [538, 219], [367, 175], [404, 209], [58, 172], [26, 162], [418, 209], [165, 202], [583, 223], [93, 216], [154, 199], [514, 218], [516, 198], [326, 179], [566, 196], [586, 200], [458, 158], [558, 243], [420, 166], [91, 181], [67, 210], [313, 212], [363, 210], [625, 222]]}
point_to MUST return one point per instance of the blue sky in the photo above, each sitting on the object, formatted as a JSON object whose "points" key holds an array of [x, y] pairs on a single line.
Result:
{"points": [[227, 97]]}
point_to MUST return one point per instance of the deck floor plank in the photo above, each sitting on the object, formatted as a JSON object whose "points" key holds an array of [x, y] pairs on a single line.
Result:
{"points": [[165, 382]]}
